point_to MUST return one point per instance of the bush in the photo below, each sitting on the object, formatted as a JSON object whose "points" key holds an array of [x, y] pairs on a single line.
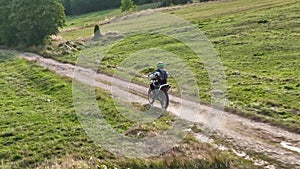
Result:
{"points": [[127, 5], [27, 23], [96, 31]]}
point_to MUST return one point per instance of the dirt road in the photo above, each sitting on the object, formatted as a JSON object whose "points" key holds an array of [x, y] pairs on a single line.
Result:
{"points": [[241, 134]]}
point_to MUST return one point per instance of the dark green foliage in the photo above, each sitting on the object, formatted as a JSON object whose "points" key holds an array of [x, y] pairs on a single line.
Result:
{"points": [[173, 2], [77, 7], [67, 6], [166, 3], [7, 33], [28, 23], [140, 2], [127, 5], [96, 29], [206, 0], [180, 1]]}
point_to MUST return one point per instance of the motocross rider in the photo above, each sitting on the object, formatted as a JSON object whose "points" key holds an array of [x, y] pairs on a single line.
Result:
{"points": [[160, 76]]}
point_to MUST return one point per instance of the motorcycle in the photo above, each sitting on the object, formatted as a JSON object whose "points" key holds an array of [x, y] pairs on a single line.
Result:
{"points": [[159, 92]]}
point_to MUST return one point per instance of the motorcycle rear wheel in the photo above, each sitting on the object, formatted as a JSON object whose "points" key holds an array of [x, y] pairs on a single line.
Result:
{"points": [[164, 100], [151, 98]]}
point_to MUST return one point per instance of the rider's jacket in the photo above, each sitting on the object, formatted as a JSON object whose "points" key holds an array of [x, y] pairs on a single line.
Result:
{"points": [[161, 75]]}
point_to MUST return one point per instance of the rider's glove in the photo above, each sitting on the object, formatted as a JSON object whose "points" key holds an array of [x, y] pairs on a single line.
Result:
{"points": [[151, 76]]}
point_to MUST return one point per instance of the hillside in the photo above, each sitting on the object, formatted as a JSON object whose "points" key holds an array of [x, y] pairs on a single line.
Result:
{"points": [[257, 44], [256, 41]]}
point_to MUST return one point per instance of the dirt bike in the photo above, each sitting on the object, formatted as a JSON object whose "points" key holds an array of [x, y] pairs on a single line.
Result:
{"points": [[160, 92]]}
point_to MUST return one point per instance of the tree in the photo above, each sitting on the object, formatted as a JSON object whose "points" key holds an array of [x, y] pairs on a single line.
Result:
{"points": [[166, 3], [67, 6], [79, 6], [30, 22], [127, 5], [7, 33]]}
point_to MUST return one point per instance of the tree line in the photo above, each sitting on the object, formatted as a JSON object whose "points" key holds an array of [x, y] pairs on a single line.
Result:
{"points": [[77, 7]]}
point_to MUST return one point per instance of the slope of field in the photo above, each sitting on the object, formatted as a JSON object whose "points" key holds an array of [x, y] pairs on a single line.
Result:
{"points": [[39, 127], [77, 27], [254, 140], [38, 122], [258, 43]]}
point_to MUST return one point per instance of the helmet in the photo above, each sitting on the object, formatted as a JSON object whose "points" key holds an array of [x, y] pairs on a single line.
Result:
{"points": [[160, 65]]}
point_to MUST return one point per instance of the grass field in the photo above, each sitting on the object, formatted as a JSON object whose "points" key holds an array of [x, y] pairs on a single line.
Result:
{"points": [[38, 122], [259, 49], [99, 16], [258, 43], [39, 127], [82, 26], [94, 17]]}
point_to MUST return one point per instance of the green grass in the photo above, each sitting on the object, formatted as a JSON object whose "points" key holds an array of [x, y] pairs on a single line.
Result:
{"points": [[99, 16], [257, 42], [82, 26], [147, 6], [39, 126], [78, 34], [93, 17], [259, 51], [32, 129]]}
